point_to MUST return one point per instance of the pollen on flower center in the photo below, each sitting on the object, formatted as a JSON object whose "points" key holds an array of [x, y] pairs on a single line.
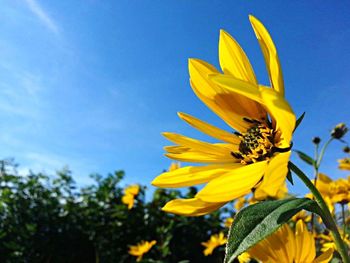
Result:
{"points": [[257, 143]]}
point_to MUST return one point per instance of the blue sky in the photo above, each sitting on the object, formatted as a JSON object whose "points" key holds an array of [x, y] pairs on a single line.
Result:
{"points": [[92, 84]]}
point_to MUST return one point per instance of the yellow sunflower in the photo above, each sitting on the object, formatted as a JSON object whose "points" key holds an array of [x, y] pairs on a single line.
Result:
{"points": [[141, 248], [214, 242], [289, 247], [256, 155], [129, 195], [344, 164]]}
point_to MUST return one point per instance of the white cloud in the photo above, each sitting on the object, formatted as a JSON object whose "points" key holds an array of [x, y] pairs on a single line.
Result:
{"points": [[43, 16]]}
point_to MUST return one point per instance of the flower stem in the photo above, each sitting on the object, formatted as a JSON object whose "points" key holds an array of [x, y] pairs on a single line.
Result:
{"points": [[323, 150], [343, 216], [326, 216]]}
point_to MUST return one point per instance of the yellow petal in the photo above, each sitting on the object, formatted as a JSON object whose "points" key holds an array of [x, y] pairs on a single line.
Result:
{"points": [[274, 177], [281, 112], [270, 54], [198, 145], [229, 106], [209, 129], [234, 184], [200, 157], [305, 243], [324, 257], [275, 104], [191, 207], [238, 86], [176, 149], [192, 175], [233, 60]]}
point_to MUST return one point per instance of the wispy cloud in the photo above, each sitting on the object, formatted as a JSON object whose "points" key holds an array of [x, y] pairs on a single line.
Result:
{"points": [[43, 16]]}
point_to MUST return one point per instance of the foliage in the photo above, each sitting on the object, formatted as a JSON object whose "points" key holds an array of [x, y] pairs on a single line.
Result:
{"points": [[48, 219]]}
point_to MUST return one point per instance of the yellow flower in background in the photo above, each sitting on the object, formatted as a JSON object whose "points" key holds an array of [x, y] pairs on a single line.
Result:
{"points": [[228, 222], [214, 242], [327, 241], [288, 246], [257, 154], [302, 215], [174, 166], [129, 195], [141, 248], [337, 191], [344, 164], [244, 258], [240, 203]]}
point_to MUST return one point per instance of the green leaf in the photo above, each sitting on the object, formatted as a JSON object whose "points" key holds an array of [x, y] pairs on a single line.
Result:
{"points": [[306, 158], [254, 223], [299, 120], [290, 177]]}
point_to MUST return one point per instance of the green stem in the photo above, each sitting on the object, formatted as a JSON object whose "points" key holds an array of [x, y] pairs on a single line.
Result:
{"points": [[326, 216], [343, 216], [316, 177], [323, 150]]}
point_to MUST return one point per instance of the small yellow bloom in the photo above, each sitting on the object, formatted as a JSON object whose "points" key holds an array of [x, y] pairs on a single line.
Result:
{"points": [[256, 155], [228, 222], [344, 164], [214, 242], [302, 215], [240, 203], [289, 247], [337, 191], [129, 195], [174, 166], [244, 257], [141, 248], [327, 241]]}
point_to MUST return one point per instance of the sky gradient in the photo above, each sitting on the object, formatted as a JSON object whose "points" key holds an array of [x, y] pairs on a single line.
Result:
{"points": [[92, 84]]}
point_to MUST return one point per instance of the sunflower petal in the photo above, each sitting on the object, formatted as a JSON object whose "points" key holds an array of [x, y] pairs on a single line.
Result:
{"points": [[190, 207], [197, 145], [234, 184], [192, 175], [274, 177], [233, 60], [305, 243], [238, 86], [229, 106], [324, 257], [209, 129], [281, 112], [199, 157], [270, 54]]}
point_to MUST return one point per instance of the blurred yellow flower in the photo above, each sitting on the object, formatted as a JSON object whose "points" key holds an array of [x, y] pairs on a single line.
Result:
{"points": [[214, 242], [228, 222], [174, 166], [141, 248], [302, 215], [240, 203], [289, 247], [337, 191], [344, 164], [244, 258], [257, 154], [129, 195], [327, 241]]}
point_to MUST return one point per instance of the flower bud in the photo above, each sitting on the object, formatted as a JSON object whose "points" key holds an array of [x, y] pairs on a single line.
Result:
{"points": [[316, 140], [346, 149], [339, 131]]}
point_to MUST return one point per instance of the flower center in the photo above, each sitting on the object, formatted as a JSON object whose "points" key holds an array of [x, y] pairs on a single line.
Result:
{"points": [[257, 143]]}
